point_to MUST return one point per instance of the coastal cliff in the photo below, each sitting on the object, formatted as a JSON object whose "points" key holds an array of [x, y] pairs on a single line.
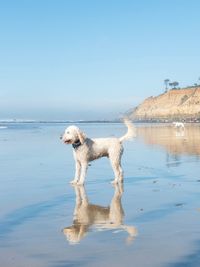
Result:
{"points": [[178, 104]]}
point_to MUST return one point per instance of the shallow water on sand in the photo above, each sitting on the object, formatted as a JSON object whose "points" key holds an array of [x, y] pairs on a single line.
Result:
{"points": [[152, 221]]}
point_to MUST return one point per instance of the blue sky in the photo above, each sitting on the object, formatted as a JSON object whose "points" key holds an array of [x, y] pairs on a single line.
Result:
{"points": [[87, 59]]}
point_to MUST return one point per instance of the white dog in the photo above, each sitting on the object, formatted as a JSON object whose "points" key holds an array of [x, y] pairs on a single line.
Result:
{"points": [[86, 150], [179, 125]]}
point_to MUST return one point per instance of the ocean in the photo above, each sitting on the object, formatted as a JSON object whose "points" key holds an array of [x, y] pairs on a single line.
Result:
{"points": [[151, 221]]}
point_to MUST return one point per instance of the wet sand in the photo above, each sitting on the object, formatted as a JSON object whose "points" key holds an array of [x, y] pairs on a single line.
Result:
{"points": [[152, 221]]}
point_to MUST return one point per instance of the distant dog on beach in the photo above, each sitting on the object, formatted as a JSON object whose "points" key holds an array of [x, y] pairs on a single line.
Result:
{"points": [[86, 150], [179, 125]]}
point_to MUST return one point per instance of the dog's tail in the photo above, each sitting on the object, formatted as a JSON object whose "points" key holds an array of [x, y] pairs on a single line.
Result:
{"points": [[131, 133]]}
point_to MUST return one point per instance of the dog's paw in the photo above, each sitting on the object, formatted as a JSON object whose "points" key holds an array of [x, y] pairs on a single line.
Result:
{"points": [[80, 183], [114, 182], [73, 182]]}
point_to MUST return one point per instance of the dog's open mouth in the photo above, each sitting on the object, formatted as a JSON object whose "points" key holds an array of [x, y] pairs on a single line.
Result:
{"points": [[67, 141]]}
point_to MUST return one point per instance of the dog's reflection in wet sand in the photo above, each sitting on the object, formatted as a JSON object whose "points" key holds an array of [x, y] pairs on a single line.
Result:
{"points": [[87, 216]]}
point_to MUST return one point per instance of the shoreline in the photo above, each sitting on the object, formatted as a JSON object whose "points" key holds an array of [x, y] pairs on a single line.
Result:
{"points": [[3, 122]]}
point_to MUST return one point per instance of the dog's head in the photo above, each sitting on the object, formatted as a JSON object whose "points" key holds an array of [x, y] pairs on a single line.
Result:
{"points": [[72, 135], [75, 233]]}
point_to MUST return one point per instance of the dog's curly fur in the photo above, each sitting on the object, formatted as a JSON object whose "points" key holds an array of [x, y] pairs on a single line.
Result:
{"points": [[87, 150]]}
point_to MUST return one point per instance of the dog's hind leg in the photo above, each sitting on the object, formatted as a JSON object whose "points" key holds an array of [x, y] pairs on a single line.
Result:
{"points": [[118, 173], [117, 169]]}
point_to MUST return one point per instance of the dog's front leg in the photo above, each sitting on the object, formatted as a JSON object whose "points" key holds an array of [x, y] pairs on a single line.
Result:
{"points": [[77, 172], [84, 166]]}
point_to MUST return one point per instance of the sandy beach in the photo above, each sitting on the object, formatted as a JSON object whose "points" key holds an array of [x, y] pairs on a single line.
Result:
{"points": [[46, 222]]}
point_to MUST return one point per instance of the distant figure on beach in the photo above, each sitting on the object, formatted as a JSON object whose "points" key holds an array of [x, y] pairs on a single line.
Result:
{"points": [[178, 125], [87, 216]]}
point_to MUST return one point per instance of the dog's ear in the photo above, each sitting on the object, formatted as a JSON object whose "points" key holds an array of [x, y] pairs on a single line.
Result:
{"points": [[81, 136]]}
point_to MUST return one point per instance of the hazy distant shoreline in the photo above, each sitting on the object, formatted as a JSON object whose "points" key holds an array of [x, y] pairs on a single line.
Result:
{"points": [[59, 121], [9, 122]]}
